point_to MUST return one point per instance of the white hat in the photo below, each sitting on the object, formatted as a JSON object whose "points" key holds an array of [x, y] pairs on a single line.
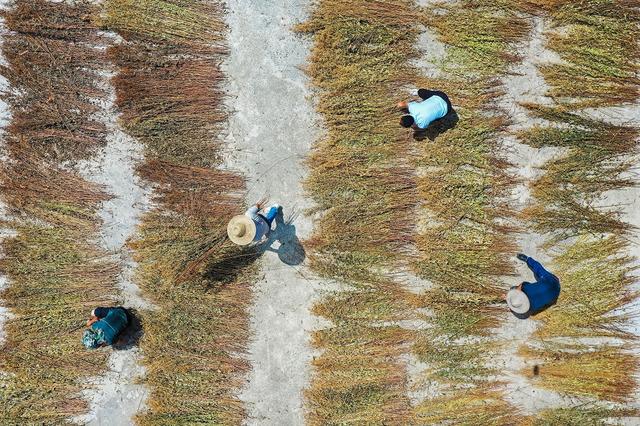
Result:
{"points": [[518, 301], [241, 230]]}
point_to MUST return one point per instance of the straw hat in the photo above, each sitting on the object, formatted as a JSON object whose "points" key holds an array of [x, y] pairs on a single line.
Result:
{"points": [[241, 230], [518, 301]]}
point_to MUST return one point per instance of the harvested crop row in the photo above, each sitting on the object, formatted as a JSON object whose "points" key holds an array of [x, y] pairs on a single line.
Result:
{"points": [[360, 178], [56, 272], [598, 42], [464, 241], [169, 94]]}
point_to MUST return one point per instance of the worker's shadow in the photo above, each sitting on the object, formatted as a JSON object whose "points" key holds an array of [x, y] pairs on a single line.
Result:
{"points": [[438, 127], [290, 250], [131, 335], [227, 269]]}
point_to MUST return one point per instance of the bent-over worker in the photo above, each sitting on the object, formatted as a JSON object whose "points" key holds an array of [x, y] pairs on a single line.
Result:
{"points": [[531, 298], [434, 106], [104, 326], [253, 225]]}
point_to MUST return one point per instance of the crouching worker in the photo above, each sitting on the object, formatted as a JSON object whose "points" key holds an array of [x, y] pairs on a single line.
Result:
{"points": [[531, 298], [434, 106], [104, 327], [253, 225]]}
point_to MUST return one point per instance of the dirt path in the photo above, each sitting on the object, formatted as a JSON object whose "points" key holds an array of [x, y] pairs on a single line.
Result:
{"points": [[271, 130], [5, 117], [115, 397]]}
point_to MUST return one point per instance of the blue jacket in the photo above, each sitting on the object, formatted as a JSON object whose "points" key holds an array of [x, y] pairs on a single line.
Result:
{"points": [[112, 322], [545, 291]]}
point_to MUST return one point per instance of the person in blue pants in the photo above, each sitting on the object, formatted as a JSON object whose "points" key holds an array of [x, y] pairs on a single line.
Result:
{"points": [[104, 327], [531, 298], [253, 225]]}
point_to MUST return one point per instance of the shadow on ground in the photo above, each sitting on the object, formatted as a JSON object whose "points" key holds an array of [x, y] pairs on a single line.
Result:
{"points": [[230, 267], [290, 251], [438, 127], [131, 335]]}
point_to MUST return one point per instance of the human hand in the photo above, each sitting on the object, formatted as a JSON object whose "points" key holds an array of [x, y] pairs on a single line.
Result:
{"points": [[261, 202], [522, 257], [402, 105]]}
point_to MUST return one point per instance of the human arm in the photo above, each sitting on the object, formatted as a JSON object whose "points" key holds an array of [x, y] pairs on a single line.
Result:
{"points": [[97, 314], [252, 211], [539, 272]]}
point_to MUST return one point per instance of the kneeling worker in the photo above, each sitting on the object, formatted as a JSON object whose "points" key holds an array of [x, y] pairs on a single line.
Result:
{"points": [[104, 327], [434, 106], [252, 226], [531, 298]]}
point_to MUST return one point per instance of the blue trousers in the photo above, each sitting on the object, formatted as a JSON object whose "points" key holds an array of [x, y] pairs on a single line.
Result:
{"points": [[271, 215]]}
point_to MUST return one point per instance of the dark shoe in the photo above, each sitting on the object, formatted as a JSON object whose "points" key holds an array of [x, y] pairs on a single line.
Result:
{"points": [[522, 257]]}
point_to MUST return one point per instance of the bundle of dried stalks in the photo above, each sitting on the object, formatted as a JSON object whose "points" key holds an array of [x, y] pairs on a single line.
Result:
{"points": [[169, 93], [599, 68], [52, 65], [56, 273]]}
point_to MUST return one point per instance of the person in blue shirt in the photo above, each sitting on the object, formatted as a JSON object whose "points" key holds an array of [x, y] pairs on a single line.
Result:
{"points": [[434, 106], [531, 298], [104, 327]]}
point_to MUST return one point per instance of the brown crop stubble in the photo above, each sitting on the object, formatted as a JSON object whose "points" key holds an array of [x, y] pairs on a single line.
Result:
{"points": [[56, 272], [361, 180], [169, 92], [598, 43]]}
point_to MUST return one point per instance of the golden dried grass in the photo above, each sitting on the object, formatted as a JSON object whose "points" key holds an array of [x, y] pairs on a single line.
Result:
{"points": [[56, 272], [169, 92]]}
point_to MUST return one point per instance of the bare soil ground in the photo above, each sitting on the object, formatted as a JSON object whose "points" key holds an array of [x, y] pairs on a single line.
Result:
{"points": [[116, 397], [271, 130], [525, 84], [5, 116]]}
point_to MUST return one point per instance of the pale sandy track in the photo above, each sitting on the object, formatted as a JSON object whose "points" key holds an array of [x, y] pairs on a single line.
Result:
{"points": [[5, 117], [115, 397], [271, 129]]}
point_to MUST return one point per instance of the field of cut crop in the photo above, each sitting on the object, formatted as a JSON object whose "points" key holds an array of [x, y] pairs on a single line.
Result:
{"points": [[385, 275]]}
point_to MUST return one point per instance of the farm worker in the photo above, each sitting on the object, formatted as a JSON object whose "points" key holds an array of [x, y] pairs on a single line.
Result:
{"points": [[434, 106], [531, 298], [104, 326], [252, 225]]}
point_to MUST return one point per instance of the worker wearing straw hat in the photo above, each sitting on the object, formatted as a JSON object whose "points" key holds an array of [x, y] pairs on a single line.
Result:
{"points": [[531, 298], [252, 226]]}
